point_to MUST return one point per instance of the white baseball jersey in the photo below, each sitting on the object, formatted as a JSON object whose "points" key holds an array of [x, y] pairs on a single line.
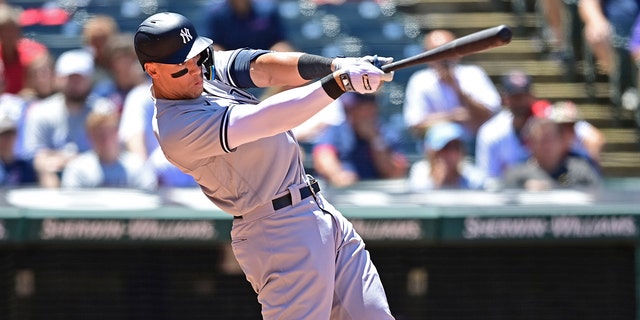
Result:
{"points": [[184, 131]]}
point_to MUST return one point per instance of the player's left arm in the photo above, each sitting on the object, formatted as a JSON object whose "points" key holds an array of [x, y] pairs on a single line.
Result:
{"points": [[280, 69], [298, 68]]}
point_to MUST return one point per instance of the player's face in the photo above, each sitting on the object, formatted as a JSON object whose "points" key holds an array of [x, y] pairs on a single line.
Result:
{"points": [[177, 81]]}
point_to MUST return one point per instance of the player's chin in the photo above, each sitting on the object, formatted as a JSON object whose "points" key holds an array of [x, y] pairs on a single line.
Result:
{"points": [[197, 93], [193, 92]]}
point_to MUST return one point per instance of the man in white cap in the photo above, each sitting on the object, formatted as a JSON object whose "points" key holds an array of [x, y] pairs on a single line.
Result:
{"points": [[54, 127], [444, 165]]}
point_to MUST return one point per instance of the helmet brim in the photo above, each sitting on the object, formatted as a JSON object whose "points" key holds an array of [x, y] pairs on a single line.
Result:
{"points": [[199, 45]]}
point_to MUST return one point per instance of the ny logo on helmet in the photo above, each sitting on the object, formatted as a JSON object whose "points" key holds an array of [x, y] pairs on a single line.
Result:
{"points": [[186, 35]]}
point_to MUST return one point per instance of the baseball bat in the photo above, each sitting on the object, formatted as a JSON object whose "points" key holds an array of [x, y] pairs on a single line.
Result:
{"points": [[471, 43]]}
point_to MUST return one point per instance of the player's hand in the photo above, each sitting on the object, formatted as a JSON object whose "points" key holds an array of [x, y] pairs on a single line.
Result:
{"points": [[341, 63], [362, 78]]}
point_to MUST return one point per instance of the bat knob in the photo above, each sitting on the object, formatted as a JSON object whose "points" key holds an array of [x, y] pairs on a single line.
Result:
{"points": [[504, 33]]}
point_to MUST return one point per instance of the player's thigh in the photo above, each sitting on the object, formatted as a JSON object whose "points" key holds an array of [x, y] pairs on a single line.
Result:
{"points": [[288, 258], [358, 292]]}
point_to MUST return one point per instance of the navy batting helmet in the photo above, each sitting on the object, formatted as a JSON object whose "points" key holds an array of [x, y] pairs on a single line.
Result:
{"points": [[168, 37]]}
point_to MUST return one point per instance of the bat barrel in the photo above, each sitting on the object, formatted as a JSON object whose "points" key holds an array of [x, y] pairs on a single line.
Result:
{"points": [[472, 43]]}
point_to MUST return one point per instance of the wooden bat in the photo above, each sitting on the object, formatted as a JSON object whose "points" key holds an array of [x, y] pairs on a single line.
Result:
{"points": [[472, 43]]}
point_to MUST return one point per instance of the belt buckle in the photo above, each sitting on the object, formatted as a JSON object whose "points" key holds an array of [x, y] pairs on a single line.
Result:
{"points": [[310, 181]]}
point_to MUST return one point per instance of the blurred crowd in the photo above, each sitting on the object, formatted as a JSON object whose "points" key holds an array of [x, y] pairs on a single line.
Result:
{"points": [[83, 119]]}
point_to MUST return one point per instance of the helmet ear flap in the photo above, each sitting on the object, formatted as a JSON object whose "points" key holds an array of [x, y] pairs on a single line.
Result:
{"points": [[206, 62]]}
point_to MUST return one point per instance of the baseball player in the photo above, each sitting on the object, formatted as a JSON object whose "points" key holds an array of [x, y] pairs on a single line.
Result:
{"points": [[301, 256]]}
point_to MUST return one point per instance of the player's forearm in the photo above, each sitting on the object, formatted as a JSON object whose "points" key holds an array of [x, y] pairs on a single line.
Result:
{"points": [[288, 68]]}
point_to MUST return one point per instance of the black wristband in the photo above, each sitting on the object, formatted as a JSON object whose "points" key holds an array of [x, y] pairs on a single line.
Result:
{"points": [[331, 87], [311, 66]]}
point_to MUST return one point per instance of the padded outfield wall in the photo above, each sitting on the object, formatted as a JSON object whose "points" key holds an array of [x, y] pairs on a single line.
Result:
{"points": [[121, 254]]}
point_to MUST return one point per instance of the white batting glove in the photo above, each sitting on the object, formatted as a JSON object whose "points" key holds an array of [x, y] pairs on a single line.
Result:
{"points": [[340, 63], [363, 78]]}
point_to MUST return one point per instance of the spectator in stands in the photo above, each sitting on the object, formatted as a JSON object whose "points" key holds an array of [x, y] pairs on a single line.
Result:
{"points": [[634, 42], [581, 138], [16, 52], [55, 127], [359, 148], [13, 170], [39, 82], [136, 130], [14, 107], [560, 17], [136, 135], [551, 164], [444, 165], [235, 24], [449, 91], [607, 29], [123, 68], [554, 13], [106, 165], [167, 174], [309, 131], [95, 35], [500, 144]]}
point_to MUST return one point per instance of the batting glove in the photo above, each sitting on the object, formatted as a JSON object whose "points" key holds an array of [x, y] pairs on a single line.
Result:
{"points": [[362, 77], [340, 63]]}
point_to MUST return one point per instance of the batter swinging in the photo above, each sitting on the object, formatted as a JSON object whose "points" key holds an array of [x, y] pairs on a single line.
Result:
{"points": [[302, 257]]}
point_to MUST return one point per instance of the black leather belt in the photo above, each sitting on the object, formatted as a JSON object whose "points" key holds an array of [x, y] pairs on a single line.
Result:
{"points": [[285, 200]]}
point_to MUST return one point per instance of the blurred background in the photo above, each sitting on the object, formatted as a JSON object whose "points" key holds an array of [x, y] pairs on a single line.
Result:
{"points": [[162, 252]]}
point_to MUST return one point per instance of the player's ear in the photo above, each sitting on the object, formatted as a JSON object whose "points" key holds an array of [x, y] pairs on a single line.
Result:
{"points": [[151, 69]]}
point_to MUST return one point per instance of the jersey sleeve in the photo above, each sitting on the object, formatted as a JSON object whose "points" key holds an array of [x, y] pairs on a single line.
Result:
{"points": [[232, 67], [191, 136]]}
